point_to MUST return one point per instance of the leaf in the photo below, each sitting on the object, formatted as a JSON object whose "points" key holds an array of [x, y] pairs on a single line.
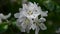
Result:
{"points": [[3, 27]]}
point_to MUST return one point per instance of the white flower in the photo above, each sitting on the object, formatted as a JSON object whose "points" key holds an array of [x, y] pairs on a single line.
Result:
{"points": [[28, 18], [4, 16]]}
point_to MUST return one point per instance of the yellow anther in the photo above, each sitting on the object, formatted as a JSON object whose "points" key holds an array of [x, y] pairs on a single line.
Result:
{"points": [[30, 12]]}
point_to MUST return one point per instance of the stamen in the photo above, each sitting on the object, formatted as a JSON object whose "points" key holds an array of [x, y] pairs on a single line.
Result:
{"points": [[30, 12]]}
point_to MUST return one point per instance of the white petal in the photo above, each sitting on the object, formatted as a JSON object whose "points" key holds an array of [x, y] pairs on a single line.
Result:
{"points": [[42, 19], [16, 15], [7, 16], [1, 16], [37, 30], [33, 26], [43, 14], [20, 21], [42, 26], [25, 6]]}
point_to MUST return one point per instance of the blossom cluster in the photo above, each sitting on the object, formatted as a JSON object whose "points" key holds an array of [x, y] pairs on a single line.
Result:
{"points": [[28, 18]]}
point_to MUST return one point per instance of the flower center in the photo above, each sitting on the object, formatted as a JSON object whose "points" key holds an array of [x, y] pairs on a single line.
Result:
{"points": [[30, 12]]}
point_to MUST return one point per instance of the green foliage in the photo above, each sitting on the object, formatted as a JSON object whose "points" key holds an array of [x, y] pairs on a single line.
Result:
{"points": [[3, 27]]}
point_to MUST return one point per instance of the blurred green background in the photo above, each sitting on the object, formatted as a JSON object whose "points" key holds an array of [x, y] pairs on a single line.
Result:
{"points": [[12, 6]]}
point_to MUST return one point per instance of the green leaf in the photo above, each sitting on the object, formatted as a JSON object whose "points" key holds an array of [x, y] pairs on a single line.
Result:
{"points": [[3, 27]]}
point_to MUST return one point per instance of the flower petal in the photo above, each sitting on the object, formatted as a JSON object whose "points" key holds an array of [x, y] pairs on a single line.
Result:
{"points": [[42, 26], [42, 19], [44, 14], [16, 15], [37, 30]]}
